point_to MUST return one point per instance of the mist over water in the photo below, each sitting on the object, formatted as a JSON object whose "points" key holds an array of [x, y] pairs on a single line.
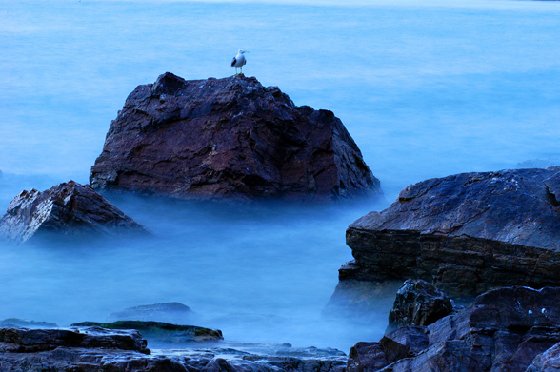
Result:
{"points": [[425, 91]]}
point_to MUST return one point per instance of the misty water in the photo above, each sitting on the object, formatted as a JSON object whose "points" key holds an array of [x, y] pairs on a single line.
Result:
{"points": [[426, 90]]}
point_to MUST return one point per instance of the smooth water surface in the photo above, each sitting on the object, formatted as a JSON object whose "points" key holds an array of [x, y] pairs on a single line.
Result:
{"points": [[426, 90]]}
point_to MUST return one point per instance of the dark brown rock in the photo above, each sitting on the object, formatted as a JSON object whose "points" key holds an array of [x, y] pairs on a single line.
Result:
{"points": [[174, 333], [168, 312], [68, 209], [418, 303], [229, 138], [23, 340], [466, 233], [505, 329]]}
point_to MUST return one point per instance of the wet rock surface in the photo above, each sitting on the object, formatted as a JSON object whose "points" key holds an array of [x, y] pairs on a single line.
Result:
{"points": [[505, 329], [418, 303], [23, 340], [69, 210], [166, 332], [465, 233], [167, 312], [101, 349], [228, 138]]}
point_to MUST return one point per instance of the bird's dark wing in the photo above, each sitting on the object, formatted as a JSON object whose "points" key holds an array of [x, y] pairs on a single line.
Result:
{"points": [[233, 62]]}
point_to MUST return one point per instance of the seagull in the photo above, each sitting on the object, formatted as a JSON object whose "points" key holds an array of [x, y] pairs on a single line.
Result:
{"points": [[239, 60]]}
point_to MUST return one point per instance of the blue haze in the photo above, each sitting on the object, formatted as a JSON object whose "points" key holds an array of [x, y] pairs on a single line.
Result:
{"points": [[425, 90]]}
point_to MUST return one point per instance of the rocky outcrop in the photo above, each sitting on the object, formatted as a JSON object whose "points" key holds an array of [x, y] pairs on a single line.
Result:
{"points": [[68, 209], [466, 233], [167, 312], [228, 138], [418, 303], [20, 323], [167, 332], [97, 349], [24, 340], [505, 329]]}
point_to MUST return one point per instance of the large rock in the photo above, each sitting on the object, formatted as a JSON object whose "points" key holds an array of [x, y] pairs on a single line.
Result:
{"points": [[418, 303], [231, 138], [504, 329], [68, 209], [167, 332], [466, 233]]}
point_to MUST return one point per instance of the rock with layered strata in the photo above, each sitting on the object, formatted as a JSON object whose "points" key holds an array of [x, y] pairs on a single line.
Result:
{"points": [[465, 233]]}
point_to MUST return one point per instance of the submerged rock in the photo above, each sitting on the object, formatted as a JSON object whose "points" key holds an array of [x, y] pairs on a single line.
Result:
{"points": [[466, 233], [505, 329], [97, 349], [228, 138], [418, 303], [68, 209], [20, 323], [168, 312], [165, 332]]}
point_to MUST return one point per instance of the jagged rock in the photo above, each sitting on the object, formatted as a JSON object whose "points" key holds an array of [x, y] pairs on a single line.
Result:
{"points": [[68, 209], [173, 333], [549, 361], [169, 312], [505, 329], [23, 340], [228, 138], [418, 303], [14, 322], [466, 233]]}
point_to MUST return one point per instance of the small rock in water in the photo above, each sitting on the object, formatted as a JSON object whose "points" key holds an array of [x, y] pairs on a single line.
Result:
{"points": [[163, 332], [66, 210], [169, 312], [14, 322]]}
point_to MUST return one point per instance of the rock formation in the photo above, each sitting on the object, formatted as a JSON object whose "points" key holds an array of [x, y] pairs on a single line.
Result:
{"points": [[418, 303], [228, 138], [505, 329], [24, 340], [167, 332], [93, 349], [68, 209], [168, 312], [466, 233]]}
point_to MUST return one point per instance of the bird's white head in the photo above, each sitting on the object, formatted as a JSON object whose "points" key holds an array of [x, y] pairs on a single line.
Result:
{"points": [[242, 51]]}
